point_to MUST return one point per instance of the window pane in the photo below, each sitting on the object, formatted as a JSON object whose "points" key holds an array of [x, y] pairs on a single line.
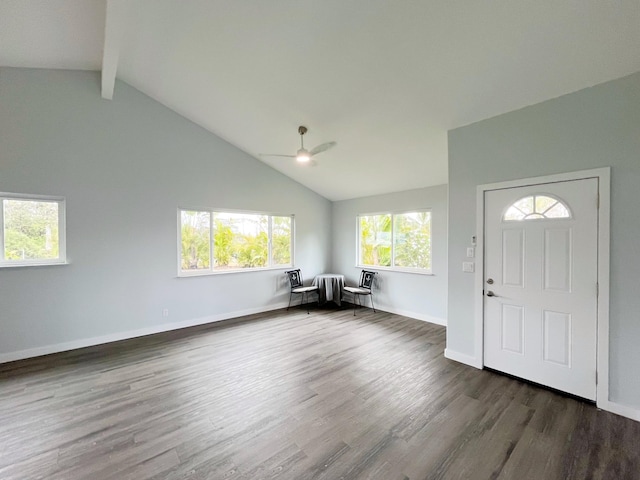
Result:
{"points": [[30, 230], [412, 240], [525, 205], [194, 236], [513, 214], [543, 203], [281, 241], [557, 211], [536, 207], [240, 240], [375, 240]]}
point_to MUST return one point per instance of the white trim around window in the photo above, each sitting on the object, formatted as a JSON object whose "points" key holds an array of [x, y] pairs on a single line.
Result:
{"points": [[32, 230], [387, 241], [217, 241]]}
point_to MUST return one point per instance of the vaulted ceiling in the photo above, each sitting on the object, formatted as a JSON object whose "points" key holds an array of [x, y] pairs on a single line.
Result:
{"points": [[384, 79]]}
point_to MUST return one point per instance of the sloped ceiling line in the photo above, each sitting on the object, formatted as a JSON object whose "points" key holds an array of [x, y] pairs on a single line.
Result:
{"points": [[386, 80]]}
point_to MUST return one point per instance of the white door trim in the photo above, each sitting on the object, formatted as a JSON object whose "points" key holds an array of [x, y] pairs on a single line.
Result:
{"points": [[604, 187]]}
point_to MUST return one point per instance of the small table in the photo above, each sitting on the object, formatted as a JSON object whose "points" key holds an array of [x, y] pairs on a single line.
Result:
{"points": [[330, 287]]}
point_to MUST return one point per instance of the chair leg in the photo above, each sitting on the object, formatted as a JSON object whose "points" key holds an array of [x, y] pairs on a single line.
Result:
{"points": [[307, 303], [374, 308], [290, 296], [356, 297]]}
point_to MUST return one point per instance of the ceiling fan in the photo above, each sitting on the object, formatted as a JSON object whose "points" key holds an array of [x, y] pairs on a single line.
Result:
{"points": [[303, 155]]}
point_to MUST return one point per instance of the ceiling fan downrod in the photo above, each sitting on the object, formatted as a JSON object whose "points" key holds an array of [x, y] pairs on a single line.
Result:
{"points": [[302, 155]]}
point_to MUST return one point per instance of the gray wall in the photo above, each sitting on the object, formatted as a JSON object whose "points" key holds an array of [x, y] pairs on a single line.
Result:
{"points": [[595, 127], [124, 167], [419, 296]]}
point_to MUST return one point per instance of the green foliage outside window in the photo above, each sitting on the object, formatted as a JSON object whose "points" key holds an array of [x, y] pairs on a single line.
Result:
{"points": [[30, 230], [239, 241], [222, 243], [375, 240], [396, 240], [281, 240], [412, 240], [195, 241]]}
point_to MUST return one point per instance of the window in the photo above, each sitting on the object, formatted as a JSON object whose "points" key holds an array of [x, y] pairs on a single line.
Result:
{"points": [[399, 241], [536, 207], [32, 230], [216, 242]]}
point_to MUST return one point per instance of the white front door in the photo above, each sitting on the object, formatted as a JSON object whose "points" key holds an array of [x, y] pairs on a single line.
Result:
{"points": [[540, 290]]}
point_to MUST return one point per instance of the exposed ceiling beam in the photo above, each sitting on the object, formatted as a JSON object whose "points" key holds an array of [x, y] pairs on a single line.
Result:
{"points": [[113, 29]]}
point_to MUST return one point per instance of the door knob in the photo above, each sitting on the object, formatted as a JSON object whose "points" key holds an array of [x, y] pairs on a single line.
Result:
{"points": [[491, 294], [490, 281]]}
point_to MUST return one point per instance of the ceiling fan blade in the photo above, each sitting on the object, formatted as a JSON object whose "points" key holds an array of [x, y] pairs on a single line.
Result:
{"points": [[276, 155], [323, 147]]}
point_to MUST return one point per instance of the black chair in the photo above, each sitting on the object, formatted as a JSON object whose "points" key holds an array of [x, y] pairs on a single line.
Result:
{"points": [[295, 279], [363, 288]]}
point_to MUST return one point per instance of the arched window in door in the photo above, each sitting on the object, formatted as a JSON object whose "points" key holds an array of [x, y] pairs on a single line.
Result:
{"points": [[535, 207]]}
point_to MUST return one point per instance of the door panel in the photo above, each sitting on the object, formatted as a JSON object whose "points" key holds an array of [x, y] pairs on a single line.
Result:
{"points": [[513, 328], [557, 259], [557, 338], [513, 257], [542, 259]]}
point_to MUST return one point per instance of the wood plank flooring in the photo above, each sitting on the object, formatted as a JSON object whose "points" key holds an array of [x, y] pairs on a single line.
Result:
{"points": [[288, 395]]}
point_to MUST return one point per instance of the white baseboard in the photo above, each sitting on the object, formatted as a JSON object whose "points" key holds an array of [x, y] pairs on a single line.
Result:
{"points": [[115, 337], [417, 316], [622, 410], [462, 358]]}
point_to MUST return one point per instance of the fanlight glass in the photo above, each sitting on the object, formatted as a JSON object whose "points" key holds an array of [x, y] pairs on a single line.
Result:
{"points": [[535, 207]]}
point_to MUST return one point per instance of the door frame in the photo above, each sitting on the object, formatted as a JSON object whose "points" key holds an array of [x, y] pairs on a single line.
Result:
{"points": [[603, 175]]}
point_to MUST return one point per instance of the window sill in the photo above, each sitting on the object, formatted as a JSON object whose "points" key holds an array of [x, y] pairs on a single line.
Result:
{"points": [[208, 273], [396, 270], [22, 265]]}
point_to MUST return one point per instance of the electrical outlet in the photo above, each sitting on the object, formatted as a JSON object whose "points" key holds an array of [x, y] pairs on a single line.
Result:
{"points": [[165, 312], [468, 267]]}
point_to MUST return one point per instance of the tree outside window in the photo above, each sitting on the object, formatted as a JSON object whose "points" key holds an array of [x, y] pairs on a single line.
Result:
{"points": [[398, 241], [30, 230], [228, 241]]}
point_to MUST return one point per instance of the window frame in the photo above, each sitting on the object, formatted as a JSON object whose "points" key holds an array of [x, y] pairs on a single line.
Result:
{"points": [[537, 219], [211, 271], [393, 268], [62, 233]]}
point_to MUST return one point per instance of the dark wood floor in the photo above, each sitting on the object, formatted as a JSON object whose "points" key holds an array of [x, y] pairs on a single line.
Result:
{"points": [[294, 396]]}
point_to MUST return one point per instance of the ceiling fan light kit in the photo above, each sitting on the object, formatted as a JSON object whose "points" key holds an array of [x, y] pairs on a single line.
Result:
{"points": [[303, 155]]}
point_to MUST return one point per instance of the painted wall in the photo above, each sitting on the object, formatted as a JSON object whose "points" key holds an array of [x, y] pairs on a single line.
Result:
{"points": [[415, 295], [595, 127], [124, 167]]}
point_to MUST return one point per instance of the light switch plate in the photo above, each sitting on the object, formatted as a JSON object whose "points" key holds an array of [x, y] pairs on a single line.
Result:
{"points": [[471, 252], [468, 267]]}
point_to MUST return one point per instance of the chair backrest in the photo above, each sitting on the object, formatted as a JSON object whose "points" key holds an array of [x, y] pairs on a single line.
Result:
{"points": [[366, 279], [295, 278]]}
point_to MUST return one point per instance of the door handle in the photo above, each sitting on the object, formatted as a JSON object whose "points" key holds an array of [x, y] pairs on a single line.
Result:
{"points": [[491, 294]]}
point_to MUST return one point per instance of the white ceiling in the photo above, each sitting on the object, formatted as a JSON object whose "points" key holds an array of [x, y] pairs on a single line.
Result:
{"points": [[385, 79]]}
